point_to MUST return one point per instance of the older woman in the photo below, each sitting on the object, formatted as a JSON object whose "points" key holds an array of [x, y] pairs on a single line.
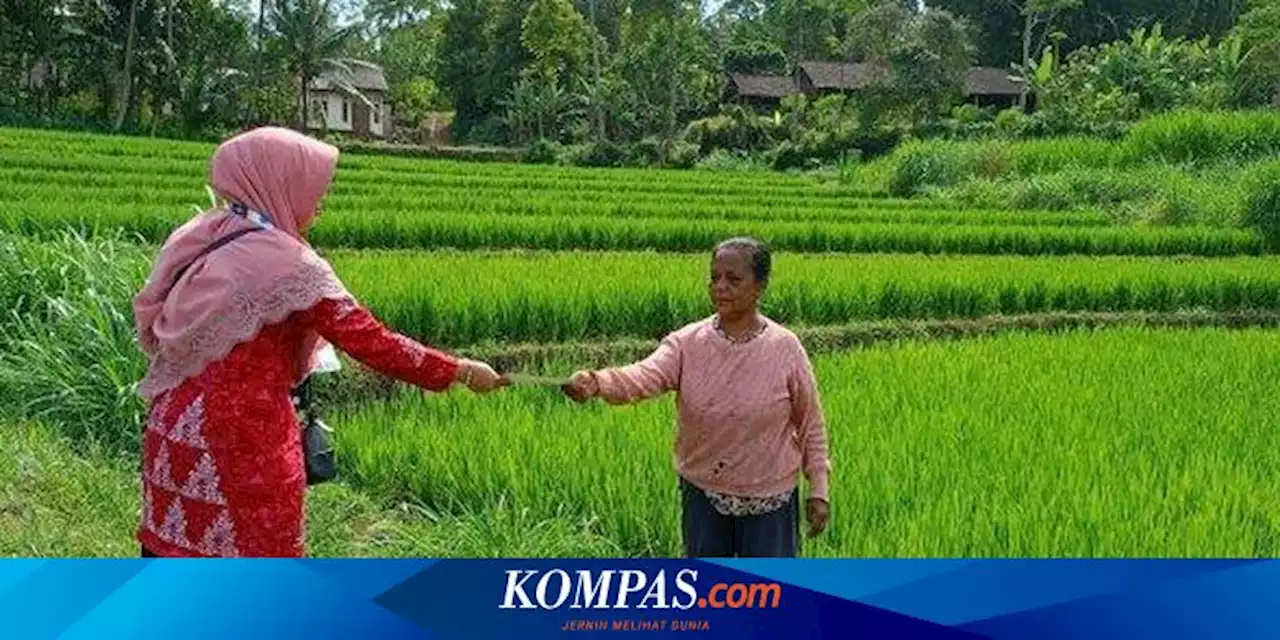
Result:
{"points": [[233, 316], [750, 418]]}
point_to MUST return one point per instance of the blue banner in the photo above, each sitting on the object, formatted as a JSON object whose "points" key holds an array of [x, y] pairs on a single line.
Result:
{"points": [[740, 599]]}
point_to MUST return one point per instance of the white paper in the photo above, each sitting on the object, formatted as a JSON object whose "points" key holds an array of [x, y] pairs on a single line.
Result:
{"points": [[327, 360]]}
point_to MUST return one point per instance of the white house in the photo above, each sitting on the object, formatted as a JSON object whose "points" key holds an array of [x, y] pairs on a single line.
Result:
{"points": [[335, 109]]}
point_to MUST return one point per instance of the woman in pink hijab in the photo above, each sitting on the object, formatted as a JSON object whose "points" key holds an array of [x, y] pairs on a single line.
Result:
{"points": [[232, 318]]}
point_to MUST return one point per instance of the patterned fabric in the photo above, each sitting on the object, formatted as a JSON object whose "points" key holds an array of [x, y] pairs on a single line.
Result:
{"points": [[716, 324], [196, 307], [222, 467], [741, 506]]}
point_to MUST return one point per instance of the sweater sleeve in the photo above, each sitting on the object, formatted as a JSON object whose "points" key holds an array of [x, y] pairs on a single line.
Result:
{"points": [[648, 378], [810, 422], [353, 329]]}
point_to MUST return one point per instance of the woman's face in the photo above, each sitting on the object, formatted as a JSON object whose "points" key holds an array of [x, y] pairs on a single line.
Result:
{"points": [[733, 287]]}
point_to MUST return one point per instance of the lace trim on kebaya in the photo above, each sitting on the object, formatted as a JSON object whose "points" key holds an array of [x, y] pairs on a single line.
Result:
{"points": [[254, 306]]}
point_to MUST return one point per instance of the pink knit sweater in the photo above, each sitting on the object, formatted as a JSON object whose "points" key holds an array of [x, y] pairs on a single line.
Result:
{"points": [[750, 416]]}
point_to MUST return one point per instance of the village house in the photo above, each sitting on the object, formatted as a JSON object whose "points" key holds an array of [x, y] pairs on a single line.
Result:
{"points": [[984, 86], [759, 92], [335, 109]]}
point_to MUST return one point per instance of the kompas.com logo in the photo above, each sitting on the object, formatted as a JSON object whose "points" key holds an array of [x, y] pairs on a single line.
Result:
{"points": [[586, 589]]}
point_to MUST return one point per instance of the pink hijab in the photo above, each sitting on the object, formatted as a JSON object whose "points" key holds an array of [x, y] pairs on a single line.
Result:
{"points": [[258, 279]]}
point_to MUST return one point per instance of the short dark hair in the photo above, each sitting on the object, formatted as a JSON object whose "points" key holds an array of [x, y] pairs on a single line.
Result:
{"points": [[761, 258]]}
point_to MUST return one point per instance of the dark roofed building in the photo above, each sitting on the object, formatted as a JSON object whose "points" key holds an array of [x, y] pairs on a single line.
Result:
{"points": [[761, 92], [827, 77], [983, 86], [992, 86]]}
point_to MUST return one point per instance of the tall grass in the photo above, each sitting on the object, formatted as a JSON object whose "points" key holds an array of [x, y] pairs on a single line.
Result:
{"points": [[1155, 155], [1198, 137], [922, 165], [1152, 195], [67, 350], [1262, 202], [1127, 443]]}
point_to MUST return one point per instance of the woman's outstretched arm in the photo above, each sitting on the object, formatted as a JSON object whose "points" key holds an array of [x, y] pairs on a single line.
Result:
{"points": [[656, 374], [353, 329]]}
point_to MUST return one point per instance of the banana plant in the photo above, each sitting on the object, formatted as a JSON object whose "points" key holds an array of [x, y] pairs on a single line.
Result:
{"points": [[1037, 74]]}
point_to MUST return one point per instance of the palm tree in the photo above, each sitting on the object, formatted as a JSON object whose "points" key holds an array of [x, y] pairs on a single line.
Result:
{"points": [[312, 44], [44, 31], [126, 76]]}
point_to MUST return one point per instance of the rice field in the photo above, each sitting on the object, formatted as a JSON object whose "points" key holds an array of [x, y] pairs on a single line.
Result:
{"points": [[1129, 442], [413, 204], [1123, 441]]}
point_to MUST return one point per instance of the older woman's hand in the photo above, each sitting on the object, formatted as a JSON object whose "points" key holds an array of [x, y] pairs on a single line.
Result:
{"points": [[819, 512], [582, 386]]}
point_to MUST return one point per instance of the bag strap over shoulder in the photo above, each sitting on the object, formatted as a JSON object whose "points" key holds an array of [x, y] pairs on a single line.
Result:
{"points": [[216, 244], [261, 221]]}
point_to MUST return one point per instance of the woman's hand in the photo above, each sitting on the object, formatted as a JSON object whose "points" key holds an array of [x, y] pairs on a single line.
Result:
{"points": [[480, 377], [582, 386], [819, 513]]}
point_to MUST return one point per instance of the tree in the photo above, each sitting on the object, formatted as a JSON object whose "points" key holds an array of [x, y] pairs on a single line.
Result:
{"points": [[310, 43], [928, 65], [755, 56], [1259, 34], [810, 29], [389, 15], [999, 25], [38, 34], [873, 32], [745, 41], [1037, 15], [463, 54], [206, 67], [408, 56], [671, 71], [126, 79], [557, 38], [926, 54]]}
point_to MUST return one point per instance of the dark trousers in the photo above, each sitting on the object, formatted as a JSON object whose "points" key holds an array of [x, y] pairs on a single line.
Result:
{"points": [[708, 534]]}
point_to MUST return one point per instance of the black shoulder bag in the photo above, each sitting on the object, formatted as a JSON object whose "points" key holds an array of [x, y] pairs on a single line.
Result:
{"points": [[316, 449]]}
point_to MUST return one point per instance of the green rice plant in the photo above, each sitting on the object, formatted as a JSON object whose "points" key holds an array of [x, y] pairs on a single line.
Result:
{"points": [[63, 143], [463, 298], [33, 192], [1129, 442], [455, 174], [152, 216], [457, 299]]}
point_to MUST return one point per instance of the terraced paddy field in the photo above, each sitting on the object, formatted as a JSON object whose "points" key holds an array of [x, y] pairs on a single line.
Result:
{"points": [[1113, 392]]}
